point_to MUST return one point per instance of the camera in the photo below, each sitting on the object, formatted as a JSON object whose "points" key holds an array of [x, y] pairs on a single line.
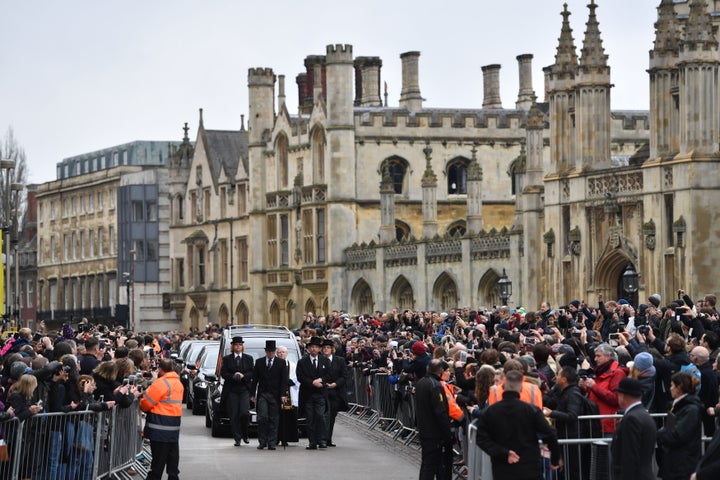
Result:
{"points": [[530, 340], [643, 329], [586, 373], [621, 326], [576, 333]]}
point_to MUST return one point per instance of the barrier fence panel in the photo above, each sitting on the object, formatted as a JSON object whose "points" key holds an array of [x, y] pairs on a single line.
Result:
{"points": [[71, 446]]}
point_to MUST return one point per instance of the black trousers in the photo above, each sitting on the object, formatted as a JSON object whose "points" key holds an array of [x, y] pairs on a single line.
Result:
{"points": [[268, 419], [436, 460], [164, 456], [238, 405], [315, 408], [330, 415]]}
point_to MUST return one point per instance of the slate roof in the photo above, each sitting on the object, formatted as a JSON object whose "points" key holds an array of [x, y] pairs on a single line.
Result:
{"points": [[226, 148]]}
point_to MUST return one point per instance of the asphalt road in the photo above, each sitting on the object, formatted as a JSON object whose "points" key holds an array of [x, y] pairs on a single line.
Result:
{"points": [[359, 455]]}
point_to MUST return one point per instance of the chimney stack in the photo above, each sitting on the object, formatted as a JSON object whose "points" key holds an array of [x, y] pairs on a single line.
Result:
{"points": [[281, 91], [491, 86], [410, 97], [526, 92], [368, 69]]}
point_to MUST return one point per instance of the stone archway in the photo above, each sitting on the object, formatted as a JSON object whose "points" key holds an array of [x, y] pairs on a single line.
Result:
{"points": [[242, 314], [194, 319], [608, 274], [487, 293], [445, 293], [361, 299], [401, 294], [223, 315]]}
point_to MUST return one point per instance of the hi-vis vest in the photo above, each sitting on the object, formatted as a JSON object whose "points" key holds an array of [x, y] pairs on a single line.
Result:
{"points": [[162, 402], [530, 394]]}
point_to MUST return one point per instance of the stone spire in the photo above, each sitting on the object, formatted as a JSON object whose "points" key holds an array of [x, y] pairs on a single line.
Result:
{"points": [[429, 200], [474, 195], [387, 206], [566, 57], [593, 53], [699, 29], [667, 36]]}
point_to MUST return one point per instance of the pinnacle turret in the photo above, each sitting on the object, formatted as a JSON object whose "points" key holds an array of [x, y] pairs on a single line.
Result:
{"points": [[667, 34], [593, 53], [698, 29], [566, 57]]}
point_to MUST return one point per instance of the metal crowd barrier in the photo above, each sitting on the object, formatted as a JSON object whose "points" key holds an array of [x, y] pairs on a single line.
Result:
{"points": [[73, 446], [390, 408]]}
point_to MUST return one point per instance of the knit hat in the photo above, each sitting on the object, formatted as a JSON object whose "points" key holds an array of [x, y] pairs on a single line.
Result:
{"points": [[17, 369], [644, 364], [622, 301], [418, 348], [655, 299], [575, 303], [568, 360], [561, 349]]}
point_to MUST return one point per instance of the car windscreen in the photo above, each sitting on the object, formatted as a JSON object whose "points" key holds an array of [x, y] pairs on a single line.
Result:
{"points": [[195, 350], [211, 354]]}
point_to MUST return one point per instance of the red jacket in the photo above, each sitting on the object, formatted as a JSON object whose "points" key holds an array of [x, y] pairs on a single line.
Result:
{"points": [[603, 393]]}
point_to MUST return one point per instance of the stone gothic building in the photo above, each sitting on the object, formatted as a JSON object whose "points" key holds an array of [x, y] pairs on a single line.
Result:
{"points": [[353, 204]]}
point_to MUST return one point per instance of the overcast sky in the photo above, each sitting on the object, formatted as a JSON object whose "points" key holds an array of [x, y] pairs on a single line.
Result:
{"points": [[81, 75]]}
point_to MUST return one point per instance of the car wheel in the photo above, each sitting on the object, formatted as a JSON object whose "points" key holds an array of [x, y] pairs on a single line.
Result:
{"points": [[197, 409], [215, 428]]}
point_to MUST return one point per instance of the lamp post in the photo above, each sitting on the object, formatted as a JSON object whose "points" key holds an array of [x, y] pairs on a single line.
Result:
{"points": [[630, 282], [7, 165], [504, 288]]}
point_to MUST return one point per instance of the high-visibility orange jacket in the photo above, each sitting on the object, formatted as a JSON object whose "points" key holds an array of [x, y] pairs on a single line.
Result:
{"points": [[454, 409], [162, 402], [530, 394]]}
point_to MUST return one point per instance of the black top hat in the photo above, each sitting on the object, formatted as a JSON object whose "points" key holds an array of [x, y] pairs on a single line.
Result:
{"points": [[328, 343], [270, 345], [237, 340], [630, 386], [315, 341]]}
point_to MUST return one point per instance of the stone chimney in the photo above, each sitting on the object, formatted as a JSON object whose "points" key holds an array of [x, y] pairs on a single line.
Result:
{"points": [[410, 97], [491, 86], [281, 91], [368, 71], [525, 92]]}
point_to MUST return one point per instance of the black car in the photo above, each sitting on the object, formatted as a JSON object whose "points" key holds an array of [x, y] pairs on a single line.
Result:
{"points": [[206, 362], [187, 360], [254, 336]]}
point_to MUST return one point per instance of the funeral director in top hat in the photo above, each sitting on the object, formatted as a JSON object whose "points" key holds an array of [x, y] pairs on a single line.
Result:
{"points": [[237, 371], [270, 381]]}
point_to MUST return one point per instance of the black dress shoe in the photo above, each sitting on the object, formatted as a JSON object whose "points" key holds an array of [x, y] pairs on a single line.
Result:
{"points": [[246, 440], [271, 448], [237, 443], [311, 447], [284, 444], [322, 445], [260, 447], [331, 444]]}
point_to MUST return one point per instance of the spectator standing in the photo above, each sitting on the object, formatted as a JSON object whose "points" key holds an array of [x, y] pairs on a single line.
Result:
{"points": [[162, 402], [601, 389], [433, 421], [708, 468], [91, 358], [633, 444], [508, 432], [237, 372], [680, 438], [708, 394], [644, 371], [270, 380]]}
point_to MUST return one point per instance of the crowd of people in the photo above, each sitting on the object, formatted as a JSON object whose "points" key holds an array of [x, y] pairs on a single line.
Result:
{"points": [[571, 360]]}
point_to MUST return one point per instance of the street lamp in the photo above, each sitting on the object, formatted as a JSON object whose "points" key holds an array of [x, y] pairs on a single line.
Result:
{"points": [[504, 288], [630, 280], [9, 229]]}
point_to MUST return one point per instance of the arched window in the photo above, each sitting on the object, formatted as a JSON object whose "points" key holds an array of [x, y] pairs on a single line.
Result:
{"points": [[318, 155], [275, 313], [457, 176], [281, 153], [402, 230], [457, 228], [398, 169]]}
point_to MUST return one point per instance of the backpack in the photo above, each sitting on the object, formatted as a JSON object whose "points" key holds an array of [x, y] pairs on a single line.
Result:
{"points": [[693, 370], [589, 428]]}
